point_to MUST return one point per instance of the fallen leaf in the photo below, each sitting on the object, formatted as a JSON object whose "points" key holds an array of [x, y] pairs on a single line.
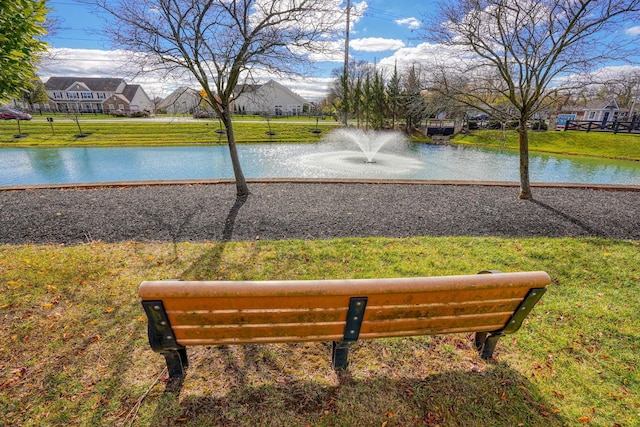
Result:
{"points": [[584, 419]]}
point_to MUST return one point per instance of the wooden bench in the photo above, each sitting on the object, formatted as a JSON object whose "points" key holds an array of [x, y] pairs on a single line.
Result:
{"points": [[187, 313]]}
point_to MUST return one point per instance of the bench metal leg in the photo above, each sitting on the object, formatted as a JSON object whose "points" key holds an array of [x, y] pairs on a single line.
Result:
{"points": [[340, 355], [485, 343], [177, 362]]}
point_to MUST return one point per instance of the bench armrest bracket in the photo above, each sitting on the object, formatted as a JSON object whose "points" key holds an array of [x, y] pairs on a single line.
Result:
{"points": [[163, 340], [486, 342], [340, 356]]}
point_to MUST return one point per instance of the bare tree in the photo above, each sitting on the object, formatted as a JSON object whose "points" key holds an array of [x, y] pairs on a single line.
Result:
{"points": [[624, 87], [511, 51], [222, 43]]}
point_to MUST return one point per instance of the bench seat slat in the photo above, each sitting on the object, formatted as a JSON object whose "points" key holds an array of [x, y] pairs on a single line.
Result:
{"points": [[319, 301], [253, 333], [150, 290], [284, 316]]}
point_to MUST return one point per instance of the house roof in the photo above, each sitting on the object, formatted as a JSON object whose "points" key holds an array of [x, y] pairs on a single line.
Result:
{"points": [[97, 84], [130, 91], [602, 105], [178, 93], [248, 88]]}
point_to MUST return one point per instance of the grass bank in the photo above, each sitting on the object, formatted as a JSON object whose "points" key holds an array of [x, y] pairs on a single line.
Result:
{"points": [[95, 132], [75, 350], [595, 144]]}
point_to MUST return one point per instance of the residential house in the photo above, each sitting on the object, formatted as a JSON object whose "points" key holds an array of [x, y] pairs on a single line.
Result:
{"points": [[95, 95], [183, 100], [596, 111], [270, 98]]}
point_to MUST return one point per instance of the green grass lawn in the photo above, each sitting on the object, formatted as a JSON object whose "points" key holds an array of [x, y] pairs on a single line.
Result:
{"points": [[597, 144], [75, 350], [65, 131]]}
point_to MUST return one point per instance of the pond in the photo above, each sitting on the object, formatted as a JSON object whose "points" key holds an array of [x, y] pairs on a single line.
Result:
{"points": [[69, 165]]}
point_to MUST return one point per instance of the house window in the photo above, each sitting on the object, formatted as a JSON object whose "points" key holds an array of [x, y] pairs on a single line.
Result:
{"points": [[73, 95], [121, 107], [87, 95], [278, 110], [58, 95], [112, 107], [592, 115], [102, 95]]}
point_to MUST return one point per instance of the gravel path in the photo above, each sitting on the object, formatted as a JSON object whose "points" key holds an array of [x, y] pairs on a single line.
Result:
{"points": [[310, 211]]}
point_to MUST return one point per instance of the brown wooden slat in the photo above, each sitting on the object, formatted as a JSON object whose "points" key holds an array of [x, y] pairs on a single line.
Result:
{"points": [[481, 328], [435, 324], [278, 316], [335, 301], [256, 303], [441, 309], [262, 340], [149, 290], [248, 317], [252, 332]]}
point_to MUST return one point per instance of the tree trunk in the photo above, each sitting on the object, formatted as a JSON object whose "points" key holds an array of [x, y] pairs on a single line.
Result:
{"points": [[241, 184], [525, 185]]}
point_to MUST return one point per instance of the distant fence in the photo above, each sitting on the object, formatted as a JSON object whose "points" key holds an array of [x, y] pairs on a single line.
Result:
{"points": [[599, 126]]}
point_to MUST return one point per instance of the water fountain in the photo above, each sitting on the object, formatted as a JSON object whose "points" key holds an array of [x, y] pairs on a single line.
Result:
{"points": [[363, 153], [369, 142]]}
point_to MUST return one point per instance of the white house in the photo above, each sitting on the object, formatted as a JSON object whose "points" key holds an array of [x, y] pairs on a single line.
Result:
{"points": [[596, 111], [604, 112], [95, 95], [183, 100], [269, 98]]}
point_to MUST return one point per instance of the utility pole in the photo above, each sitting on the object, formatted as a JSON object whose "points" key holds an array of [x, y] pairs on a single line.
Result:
{"points": [[345, 74]]}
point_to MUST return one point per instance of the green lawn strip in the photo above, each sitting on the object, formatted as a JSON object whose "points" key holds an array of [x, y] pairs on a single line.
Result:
{"points": [[597, 144], [124, 132], [75, 349]]}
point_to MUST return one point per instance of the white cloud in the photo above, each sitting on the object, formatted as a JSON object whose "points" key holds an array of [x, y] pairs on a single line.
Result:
{"points": [[412, 23], [633, 31], [425, 54], [376, 44]]}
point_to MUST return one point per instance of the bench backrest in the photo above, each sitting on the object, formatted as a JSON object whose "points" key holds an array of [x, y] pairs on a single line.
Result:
{"points": [[242, 312]]}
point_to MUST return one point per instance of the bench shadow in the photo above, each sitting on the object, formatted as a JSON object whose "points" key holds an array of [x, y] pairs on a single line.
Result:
{"points": [[248, 386]]}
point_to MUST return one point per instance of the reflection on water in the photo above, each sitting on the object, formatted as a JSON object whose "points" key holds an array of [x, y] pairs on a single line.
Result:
{"points": [[23, 166]]}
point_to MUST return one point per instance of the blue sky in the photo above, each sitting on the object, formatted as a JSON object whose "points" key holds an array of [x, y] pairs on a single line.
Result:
{"points": [[385, 33], [383, 29]]}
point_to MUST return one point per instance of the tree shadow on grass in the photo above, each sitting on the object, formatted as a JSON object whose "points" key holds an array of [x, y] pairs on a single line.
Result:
{"points": [[265, 385], [210, 260]]}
